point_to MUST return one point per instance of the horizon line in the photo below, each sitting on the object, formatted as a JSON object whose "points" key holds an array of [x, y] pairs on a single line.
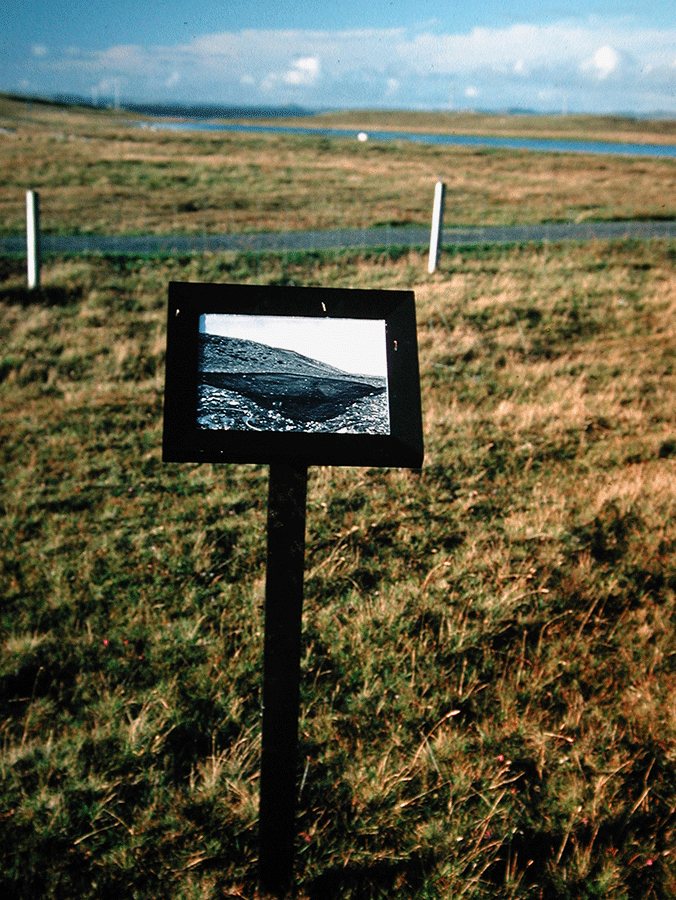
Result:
{"points": [[281, 110]]}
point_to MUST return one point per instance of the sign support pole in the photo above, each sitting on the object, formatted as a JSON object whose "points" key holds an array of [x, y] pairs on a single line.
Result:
{"points": [[287, 494]]}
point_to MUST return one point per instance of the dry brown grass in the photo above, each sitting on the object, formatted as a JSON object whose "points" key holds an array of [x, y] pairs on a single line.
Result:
{"points": [[488, 659], [97, 173], [569, 127]]}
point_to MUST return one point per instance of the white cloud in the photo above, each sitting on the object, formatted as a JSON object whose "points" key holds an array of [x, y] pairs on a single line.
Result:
{"points": [[303, 71], [39, 50], [603, 63], [588, 64], [126, 57], [392, 87]]}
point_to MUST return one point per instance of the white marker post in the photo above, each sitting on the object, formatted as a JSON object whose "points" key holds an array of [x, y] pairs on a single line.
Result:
{"points": [[437, 223], [33, 238]]}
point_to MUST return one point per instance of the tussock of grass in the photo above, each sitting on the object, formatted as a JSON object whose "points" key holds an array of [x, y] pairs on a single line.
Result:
{"points": [[488, 659]]}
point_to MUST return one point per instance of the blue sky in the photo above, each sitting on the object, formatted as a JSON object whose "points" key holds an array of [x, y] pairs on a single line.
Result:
{"points": [[597, 56]]}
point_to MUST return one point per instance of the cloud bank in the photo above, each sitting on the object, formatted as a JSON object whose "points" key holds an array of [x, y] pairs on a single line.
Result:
{"points": [[591, 66]]}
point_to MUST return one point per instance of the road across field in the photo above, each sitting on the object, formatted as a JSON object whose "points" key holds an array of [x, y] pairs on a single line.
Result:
{"points": [[347, 238]]}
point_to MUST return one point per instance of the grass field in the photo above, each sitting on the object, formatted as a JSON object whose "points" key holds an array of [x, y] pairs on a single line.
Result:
{"points": [[100, 173], [489, 651]]}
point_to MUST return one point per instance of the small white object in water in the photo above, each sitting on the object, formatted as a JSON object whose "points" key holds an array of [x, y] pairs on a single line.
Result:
{"points": [[362, 136]]}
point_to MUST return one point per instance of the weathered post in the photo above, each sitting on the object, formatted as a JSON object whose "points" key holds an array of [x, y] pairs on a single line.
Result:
{"points": [[33, 238], [437, 224], [287, 491]]}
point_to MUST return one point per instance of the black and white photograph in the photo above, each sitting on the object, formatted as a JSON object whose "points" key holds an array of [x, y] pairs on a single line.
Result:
{"points": [[281, 373], [292, 374]]}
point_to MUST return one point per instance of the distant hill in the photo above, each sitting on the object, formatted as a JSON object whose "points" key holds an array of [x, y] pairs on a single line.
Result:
{"points": [[214, 111], [175, 110]]}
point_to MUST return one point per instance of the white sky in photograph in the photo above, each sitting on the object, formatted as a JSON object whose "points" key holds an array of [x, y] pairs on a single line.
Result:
{"points": [[353, 345]]}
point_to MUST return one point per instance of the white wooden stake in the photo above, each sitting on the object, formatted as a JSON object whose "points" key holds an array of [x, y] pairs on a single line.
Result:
{"points": [[437, 223], [33, 238]]}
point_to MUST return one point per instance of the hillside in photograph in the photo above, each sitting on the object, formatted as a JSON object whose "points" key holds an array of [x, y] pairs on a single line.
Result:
{"points": [[281, 381]]}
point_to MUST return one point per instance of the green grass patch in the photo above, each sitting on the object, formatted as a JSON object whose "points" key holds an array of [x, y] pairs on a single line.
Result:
{"points": [[488, 648]]}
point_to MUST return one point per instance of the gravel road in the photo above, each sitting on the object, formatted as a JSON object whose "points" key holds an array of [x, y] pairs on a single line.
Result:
{"points": [[161, 245]]}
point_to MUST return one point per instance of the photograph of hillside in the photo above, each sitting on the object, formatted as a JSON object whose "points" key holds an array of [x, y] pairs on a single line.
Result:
{"points": [[245, 385]]}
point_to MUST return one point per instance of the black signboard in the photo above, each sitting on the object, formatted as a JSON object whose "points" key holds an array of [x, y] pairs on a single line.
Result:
{"points": [[313, 376], [289, 377]]}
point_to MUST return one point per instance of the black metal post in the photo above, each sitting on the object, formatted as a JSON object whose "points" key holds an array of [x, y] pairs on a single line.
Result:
{"points": [[287, 493]]}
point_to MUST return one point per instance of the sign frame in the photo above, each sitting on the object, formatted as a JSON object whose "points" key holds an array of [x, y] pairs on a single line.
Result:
{"points": [[184, 440]]}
